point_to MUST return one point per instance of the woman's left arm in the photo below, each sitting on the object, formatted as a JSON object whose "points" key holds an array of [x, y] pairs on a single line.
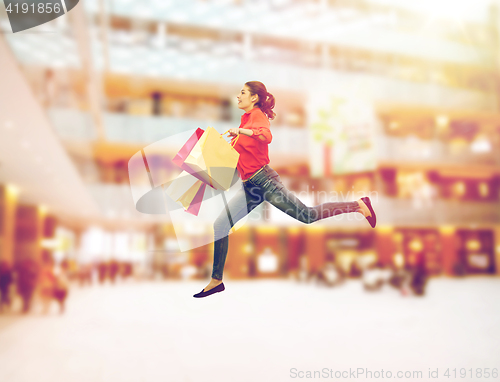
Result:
{"points": [[259, 125], [258, 128], [236, 131], [262, 133], [246, 132]]}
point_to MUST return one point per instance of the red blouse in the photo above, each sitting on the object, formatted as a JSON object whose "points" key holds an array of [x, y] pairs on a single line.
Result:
{"points": [[253, 149]]}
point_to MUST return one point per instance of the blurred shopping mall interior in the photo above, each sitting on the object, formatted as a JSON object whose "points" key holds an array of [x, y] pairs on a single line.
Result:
{"points": [[397, 100]]}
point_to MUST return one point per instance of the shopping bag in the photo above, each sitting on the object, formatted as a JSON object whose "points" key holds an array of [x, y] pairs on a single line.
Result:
{"points": [[213, 159], [193, 205], [187, 191], [185, 150], [188, 146]]}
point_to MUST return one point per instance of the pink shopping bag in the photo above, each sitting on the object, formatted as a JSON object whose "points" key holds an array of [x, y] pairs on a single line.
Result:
{"points": [[184, 152], [194, 207]]}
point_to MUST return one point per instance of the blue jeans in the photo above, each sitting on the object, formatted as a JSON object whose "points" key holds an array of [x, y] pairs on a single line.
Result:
{"points": [[266, 186]]}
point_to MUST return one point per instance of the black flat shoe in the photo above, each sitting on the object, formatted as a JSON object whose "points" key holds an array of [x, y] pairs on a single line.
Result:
{"points": [[371, 219], [218, 288]]}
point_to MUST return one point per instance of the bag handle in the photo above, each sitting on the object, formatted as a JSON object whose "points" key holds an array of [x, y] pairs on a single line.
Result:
{"points": [[232, 143]]}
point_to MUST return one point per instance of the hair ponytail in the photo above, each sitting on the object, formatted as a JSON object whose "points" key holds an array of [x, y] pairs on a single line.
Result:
{"points": [[268, 109], [266, 100]]}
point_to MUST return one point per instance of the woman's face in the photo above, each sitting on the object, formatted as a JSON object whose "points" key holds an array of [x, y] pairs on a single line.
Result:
{"points": [[246, 100]]}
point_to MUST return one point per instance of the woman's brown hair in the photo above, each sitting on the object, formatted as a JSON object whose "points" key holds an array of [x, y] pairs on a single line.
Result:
{"points": [[266, 100]]}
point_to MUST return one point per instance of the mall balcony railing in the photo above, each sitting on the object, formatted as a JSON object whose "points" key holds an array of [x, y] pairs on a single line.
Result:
{"points": [[435, 212], [71, 124], [386, 86], [228, 69], [434, 151], [115, 201], [75, 125]]}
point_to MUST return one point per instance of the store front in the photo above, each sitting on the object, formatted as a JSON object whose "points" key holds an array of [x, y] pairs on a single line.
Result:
{"points": [[351, 252], [421, 243], [476, 252]]}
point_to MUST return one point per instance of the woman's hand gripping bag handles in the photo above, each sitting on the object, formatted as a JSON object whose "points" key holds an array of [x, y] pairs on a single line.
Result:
{"points": [[213, 159]]}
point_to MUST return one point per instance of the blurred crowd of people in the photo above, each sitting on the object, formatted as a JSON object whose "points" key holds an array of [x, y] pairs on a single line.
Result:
{"points": [[43, 282], [46, 282], [29, 279], [410, 279], [107, 270]]}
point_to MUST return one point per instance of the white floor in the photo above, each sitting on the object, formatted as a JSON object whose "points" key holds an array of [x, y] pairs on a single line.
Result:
{"points": [[255, 331]]}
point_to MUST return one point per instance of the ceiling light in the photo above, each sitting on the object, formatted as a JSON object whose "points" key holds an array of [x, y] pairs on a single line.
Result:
{"points": [[43, 209], [399, 260], [442, 120], [447, 229], [12, 189], [484, 189], [459, 188], [481, 145], [416, 245], [394, 125], [473, 245]]}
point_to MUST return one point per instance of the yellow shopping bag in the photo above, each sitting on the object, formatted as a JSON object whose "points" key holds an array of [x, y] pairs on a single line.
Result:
{"points": [[187, 191], [213, 159]]}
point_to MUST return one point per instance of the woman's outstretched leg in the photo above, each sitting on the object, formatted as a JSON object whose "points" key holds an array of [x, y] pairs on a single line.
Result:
{"points": [[280, 197]]}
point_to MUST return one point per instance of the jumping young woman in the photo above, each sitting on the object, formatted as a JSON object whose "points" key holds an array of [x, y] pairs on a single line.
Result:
{"points": [[261, 183]]}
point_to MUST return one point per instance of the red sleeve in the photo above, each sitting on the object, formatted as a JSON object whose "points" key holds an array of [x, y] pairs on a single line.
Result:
{"points": [[259, 124]]}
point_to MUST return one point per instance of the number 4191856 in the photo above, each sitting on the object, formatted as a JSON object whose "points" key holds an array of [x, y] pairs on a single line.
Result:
{"points": [[41, 8], [480, 373]]}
